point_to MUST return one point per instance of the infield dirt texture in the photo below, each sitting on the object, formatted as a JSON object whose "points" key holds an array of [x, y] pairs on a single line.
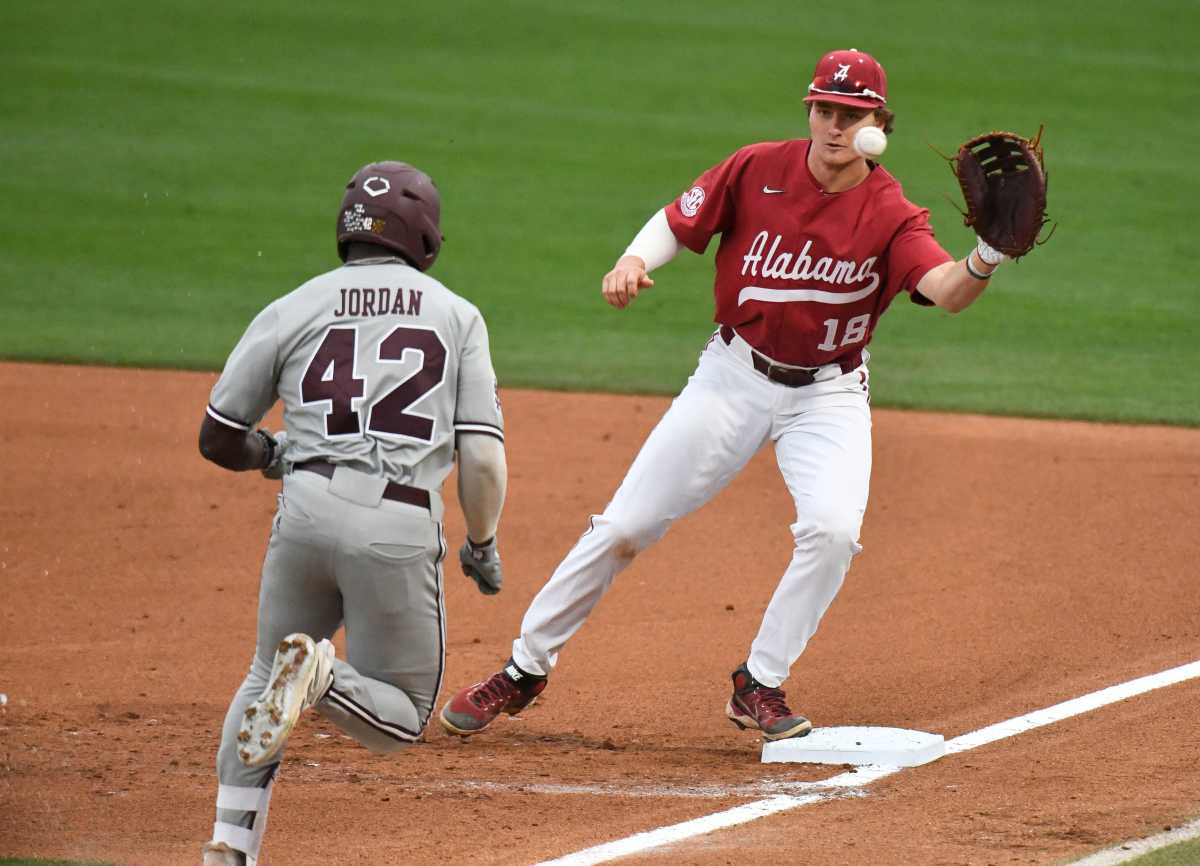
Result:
{"points": [[170, 169]]}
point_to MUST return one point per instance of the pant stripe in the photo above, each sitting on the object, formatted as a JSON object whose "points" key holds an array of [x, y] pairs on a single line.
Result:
{"points": [[441, 603], [390, 729]]}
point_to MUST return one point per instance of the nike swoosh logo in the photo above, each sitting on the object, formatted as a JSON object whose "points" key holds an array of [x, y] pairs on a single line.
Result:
{"points": [[768, 191]]}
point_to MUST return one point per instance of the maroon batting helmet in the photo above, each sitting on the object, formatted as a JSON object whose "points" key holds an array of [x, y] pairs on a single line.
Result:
{"points": [[396, 206]]}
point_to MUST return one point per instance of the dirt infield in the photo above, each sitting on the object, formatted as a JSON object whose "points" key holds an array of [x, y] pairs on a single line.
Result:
{"points": [[1008, 565]]}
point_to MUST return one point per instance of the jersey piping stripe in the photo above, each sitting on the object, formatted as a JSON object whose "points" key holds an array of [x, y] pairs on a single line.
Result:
{"points": [[226, 420], [396, 732], [477, 427]]}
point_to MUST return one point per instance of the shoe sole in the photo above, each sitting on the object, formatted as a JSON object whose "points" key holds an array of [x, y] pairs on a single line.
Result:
{"points": [[745, 722], [220, 854], [454, 729], [268, 721]]}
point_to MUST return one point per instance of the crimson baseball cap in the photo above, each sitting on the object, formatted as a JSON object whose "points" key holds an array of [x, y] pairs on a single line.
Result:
{"points": [[849, 77]]}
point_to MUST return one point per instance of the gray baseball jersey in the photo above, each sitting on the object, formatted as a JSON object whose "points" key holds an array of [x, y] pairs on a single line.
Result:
{"points": [[379, 367]]}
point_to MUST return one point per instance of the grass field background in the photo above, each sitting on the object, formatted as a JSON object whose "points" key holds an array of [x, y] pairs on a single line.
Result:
{"points": [[170, 168]]}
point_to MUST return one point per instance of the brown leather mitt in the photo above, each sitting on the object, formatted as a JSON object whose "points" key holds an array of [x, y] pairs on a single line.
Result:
{"points": [[1003, 180]]}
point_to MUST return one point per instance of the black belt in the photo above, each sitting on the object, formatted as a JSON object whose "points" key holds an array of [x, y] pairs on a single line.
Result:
{"points": [[393, 491], [793, 377]]}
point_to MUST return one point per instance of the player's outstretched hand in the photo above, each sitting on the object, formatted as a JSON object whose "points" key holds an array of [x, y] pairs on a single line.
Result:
{"points": [[481, 563], [622, 284]]}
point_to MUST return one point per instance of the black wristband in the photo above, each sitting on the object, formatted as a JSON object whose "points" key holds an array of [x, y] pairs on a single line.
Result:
{"points": [[481, 545]]}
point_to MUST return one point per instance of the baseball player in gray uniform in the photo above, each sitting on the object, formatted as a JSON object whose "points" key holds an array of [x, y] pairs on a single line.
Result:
{"points": [[385, 375]]}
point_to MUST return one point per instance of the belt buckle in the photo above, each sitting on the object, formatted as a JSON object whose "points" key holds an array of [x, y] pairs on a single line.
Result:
{"points": [[780, 373], [786, 375]]}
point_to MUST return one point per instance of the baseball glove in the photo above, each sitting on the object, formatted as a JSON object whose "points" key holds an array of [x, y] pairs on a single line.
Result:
{"points": [[1003, 180]]}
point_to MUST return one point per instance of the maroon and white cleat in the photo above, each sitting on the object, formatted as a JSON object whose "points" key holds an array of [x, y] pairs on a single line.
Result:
{"points": [[509, 690], [754, 705]]}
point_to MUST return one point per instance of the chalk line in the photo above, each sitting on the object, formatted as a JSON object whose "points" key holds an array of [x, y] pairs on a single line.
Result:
{"points": [[866, 775], [1126, 851]]}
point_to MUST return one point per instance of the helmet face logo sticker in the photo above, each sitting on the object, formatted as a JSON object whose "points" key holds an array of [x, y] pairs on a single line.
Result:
{"points": [[355, 220], [841, 75], [690, 201], [381, 185]]}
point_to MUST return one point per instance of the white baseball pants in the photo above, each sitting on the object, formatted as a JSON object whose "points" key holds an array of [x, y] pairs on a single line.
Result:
{"points": [[727, 411]]}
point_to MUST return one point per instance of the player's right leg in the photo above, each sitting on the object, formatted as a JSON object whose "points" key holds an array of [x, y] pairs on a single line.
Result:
{"points": [[712, 429], [301, 676], [509, 690], [390, 575]]}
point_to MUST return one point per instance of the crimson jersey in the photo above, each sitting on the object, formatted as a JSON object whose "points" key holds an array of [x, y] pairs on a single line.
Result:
{"points": [[802, 274]]}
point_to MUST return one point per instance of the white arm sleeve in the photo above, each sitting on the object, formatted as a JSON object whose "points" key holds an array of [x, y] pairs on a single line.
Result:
{"points": [[655, 244], [482, 481]]}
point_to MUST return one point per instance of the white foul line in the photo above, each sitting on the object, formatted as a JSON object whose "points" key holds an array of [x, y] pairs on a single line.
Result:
{"points": [[1126, 851], [866, 775], [1073, 707]]}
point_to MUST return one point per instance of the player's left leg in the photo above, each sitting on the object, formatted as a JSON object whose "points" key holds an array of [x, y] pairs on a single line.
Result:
{"points": [[296, 595], [253, 736], [824, 454], [823, 446]]}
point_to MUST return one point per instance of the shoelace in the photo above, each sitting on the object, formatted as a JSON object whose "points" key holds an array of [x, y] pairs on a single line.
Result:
{"points": [[498, 689], [771, 702]]}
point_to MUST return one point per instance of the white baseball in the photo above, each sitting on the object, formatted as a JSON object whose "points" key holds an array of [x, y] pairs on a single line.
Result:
{"points": [[870, 141]]}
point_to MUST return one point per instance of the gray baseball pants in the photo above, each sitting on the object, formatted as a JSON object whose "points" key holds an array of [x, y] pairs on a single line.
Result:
{"points": [[341, 554]]}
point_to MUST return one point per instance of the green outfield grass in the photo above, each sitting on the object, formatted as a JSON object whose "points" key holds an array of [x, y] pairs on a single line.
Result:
{"points": [[171, 167], [1179, 854]]}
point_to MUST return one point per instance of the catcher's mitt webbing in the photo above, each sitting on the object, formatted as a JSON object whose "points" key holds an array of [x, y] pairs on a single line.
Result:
{"points": [[1003, 182]]}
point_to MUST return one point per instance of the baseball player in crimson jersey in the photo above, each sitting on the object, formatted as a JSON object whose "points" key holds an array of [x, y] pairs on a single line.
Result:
{"points": [[816, 242], [385, 375]]}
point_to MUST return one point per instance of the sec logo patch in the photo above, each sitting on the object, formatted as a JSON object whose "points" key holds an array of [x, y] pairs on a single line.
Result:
{"points": [[691, 200]]}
